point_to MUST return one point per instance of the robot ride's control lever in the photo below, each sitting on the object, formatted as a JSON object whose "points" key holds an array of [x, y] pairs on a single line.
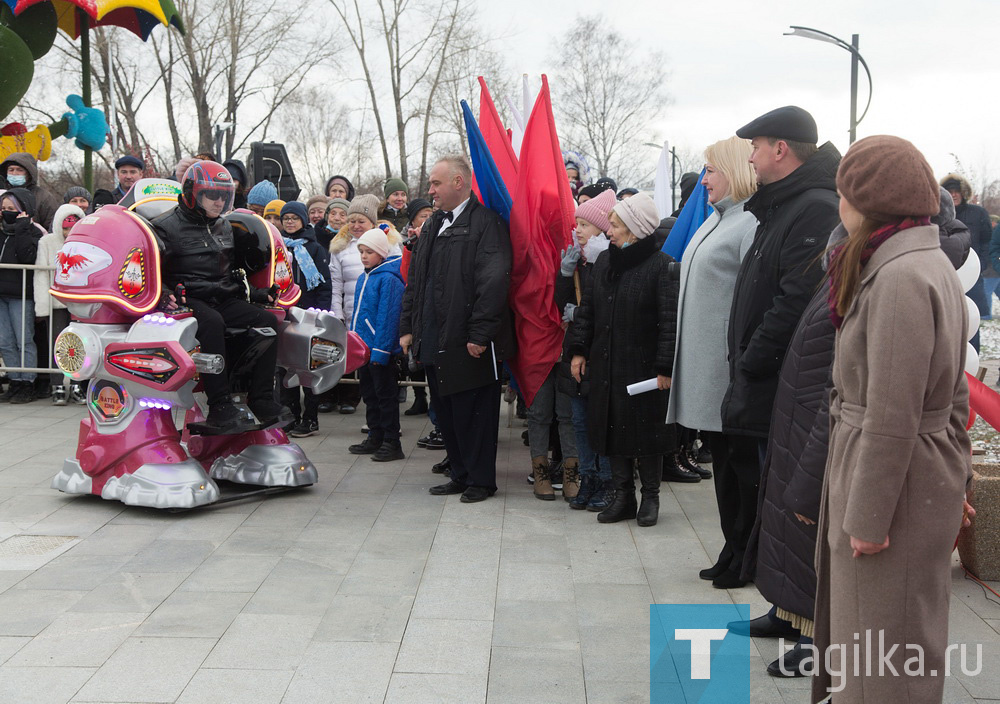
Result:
{"points": [[180, 293], [208, 363]]}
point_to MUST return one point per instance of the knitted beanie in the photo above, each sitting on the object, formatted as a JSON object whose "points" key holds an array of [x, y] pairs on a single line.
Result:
{"points": [[638, 213], [366, 205], [77, 192], [274, 207], [317, 199], [376, 240], [415, 206], [886, 177], [337, 203], [596, 210], [262, 194], [297, 208], [393, 185]]}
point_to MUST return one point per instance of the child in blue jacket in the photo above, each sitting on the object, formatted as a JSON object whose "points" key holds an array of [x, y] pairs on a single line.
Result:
{"points": [[378, 300]]}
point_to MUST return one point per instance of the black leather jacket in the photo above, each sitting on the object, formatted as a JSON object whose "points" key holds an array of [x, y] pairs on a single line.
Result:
{"points": [[197, 252]]}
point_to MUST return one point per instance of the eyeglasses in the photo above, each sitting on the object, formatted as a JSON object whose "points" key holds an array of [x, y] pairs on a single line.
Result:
{"points": [[289, 218], [215, 195]]}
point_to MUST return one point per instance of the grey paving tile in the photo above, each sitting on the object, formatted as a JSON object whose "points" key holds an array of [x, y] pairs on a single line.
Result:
{"points": [[386, 576], [986, 683], [445, 647], [358, 481], [295, 587], [10, 645], [170, 556], [26, 612], [535, 582], [337, 528], [471, 597], [604, 692], [343, 503], [414, 688], [118, 540], [390, 544], [78, 640], [263, 642], [42, 685], [343, 673], [129, 592], [529, 675], [258, 540], [210, 526], [536, 624], [236, 687], [147, 670], [194, 615], [9, 578], [230, 573], [553, 550], [365, 618], [84, 572]]}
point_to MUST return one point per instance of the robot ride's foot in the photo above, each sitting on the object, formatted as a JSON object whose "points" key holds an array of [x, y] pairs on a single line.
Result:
{"points": [[266, 465], [271, 414], [226, 419], [179, 485]]}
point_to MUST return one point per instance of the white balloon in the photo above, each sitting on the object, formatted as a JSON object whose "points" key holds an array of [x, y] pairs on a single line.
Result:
{"points": [[969, 272], [974, 319], [972, 360]]}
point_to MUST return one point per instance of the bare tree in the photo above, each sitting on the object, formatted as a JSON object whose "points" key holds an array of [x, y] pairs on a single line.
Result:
{"points": [[607, 97]]}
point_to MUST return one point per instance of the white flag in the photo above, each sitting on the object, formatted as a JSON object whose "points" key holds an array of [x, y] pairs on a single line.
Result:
{"points": [[663, 184]]}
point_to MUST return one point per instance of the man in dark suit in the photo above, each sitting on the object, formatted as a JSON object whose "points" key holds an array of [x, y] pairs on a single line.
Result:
{"points": [[456, 302]]}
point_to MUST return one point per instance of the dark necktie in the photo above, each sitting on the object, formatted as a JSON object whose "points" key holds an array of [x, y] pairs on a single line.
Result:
{"points": [[447, 215]]}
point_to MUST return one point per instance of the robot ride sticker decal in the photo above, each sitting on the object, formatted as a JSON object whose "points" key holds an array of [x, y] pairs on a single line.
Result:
{"points": [[282, 271], [109, 399], [132, 278], [76, 261]]}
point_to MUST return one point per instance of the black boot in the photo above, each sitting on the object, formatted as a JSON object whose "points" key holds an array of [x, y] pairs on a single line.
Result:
{"points": [[388, 451], [269, 412], [368, 447], [650, 471], [419, 406], [227, 419], [674, 472], [686, 461], [624, 506]]}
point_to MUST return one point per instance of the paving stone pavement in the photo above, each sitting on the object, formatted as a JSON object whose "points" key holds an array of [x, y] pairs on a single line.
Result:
{"points": [[362, 588]]}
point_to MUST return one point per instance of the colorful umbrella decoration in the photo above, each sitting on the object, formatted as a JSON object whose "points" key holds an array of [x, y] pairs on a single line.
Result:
{"points": [[76, 17]]}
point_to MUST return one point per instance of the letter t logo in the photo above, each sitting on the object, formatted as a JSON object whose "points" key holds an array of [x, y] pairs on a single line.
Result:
{"points": [[701, 648]]}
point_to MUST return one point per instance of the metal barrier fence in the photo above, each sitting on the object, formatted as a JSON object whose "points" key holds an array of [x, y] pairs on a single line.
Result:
{"points": [[26, 282]]}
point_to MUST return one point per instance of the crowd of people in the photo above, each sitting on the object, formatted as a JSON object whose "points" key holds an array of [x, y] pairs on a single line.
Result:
{"points": [[812, 337]]}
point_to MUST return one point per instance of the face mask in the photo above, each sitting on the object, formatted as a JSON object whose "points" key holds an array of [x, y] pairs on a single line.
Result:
{"points": [[17, 180], [594, 246], [10, 216]]}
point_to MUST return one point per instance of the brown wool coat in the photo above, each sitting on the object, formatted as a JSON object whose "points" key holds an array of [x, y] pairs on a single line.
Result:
{"points": [[898, 466]]}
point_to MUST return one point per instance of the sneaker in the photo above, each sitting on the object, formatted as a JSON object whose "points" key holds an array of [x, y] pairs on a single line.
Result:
{"points": [[59, 395], [304, 429], [77, 394], [556, 472], [24, 394], [388, 451], [603, 497], [588, 487], [435, 443], [430, 437], [368, 447]]}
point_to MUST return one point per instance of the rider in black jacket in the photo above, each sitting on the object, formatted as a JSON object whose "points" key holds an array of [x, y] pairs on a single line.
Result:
{"points": [[197, 245]]}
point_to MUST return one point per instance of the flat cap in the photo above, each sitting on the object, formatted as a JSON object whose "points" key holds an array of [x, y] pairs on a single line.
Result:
{"points": [[129, 160], [790, 122]]}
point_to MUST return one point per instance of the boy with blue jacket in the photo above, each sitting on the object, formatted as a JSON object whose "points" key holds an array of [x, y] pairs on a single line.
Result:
{"points": [[378, 301]]}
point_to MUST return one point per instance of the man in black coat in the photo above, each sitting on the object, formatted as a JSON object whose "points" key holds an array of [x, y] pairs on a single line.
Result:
{"points": [[456, 302], [796, 206]]}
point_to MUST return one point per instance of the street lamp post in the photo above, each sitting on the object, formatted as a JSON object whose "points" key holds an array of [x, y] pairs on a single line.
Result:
{"points": [[856, 58]]}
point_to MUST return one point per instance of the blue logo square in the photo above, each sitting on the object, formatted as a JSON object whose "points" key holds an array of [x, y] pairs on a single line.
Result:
{"points": [[693, 659]]}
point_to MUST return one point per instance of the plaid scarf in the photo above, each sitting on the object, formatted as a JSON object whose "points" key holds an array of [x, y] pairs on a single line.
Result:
{"points": [[875, 240]]}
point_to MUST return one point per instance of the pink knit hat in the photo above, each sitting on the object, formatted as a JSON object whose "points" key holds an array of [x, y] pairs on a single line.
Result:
{"points": [[596, 210]]}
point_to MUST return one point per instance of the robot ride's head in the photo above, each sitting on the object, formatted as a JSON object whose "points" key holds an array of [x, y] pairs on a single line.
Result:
{"points": [[208, 189]]}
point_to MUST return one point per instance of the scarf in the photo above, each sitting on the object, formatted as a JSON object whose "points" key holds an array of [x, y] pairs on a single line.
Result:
{"points": [[875, 240], [305, 261]]}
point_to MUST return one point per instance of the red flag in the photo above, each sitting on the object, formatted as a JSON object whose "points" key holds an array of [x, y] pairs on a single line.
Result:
{"points": [[541, 223], [496, 137], [983, 401]]}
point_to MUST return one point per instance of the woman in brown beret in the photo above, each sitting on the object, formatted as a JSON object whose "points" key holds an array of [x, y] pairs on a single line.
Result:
{"points": [[899, 456]]}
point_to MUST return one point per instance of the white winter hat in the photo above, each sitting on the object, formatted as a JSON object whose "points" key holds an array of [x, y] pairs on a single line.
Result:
{"points": [[376, 240], [639, 214]]}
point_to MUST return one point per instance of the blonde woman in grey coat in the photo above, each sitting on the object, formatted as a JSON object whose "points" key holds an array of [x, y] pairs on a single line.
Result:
{"points": [[701, 371]]}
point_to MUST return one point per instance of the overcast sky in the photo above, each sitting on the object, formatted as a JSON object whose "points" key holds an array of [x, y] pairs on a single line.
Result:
{"points": [[935, 65]]}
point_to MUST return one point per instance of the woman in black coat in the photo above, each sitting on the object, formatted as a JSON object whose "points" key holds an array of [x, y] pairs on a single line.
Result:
{"points": [[624, 332]]}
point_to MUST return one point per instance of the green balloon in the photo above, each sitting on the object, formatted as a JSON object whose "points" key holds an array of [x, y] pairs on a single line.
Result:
{"points": [[37, 26], [19, 67]]}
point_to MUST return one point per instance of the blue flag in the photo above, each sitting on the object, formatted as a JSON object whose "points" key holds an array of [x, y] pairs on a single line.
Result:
{"points": [[492, 189], [692, 215]]}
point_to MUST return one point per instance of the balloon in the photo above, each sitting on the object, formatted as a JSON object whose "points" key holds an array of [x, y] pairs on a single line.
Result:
{"points": [[972, 360], [969, 272], [973, 310], [18, 68]]}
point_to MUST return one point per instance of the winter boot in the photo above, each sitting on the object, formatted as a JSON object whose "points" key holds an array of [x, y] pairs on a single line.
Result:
{"points": [[269, 412], [673, 471], [25, 393], [624, 506], [388, 451], [419, 406], [368, 447], [543, 480], [650, 471], [228, 419], [589, 484], [571, 478], [12, 386], [686, 457]]}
